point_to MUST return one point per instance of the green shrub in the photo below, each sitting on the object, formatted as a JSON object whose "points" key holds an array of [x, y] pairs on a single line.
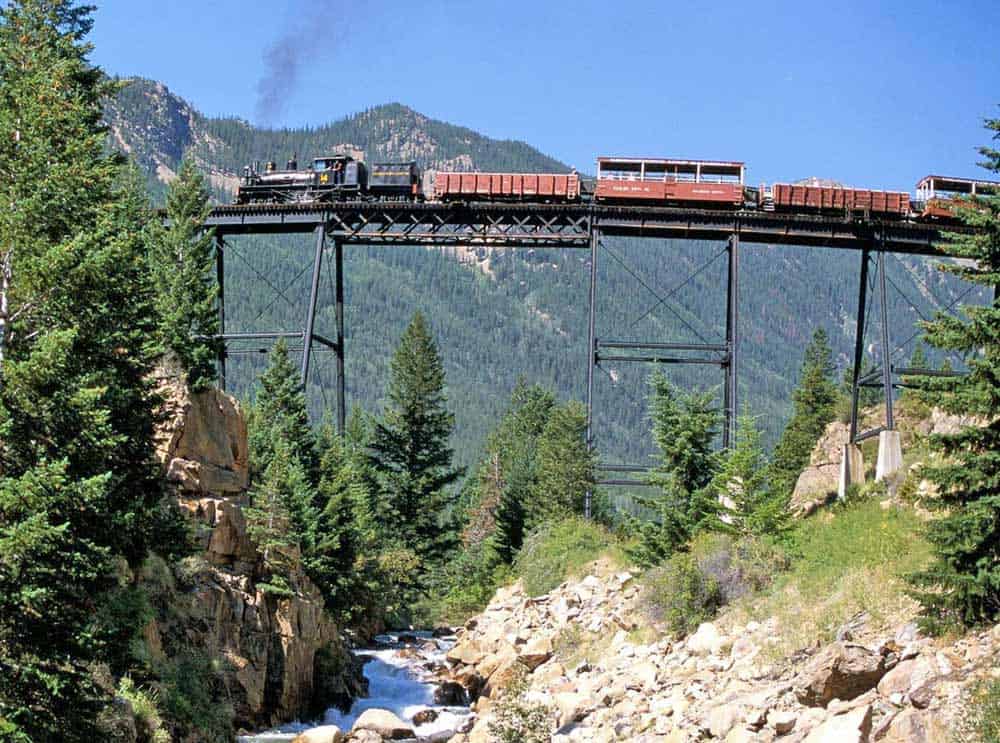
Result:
{"points": [[690, 587], [145, 709], [194, 699], [739, 566], [468, 584], [118, 623], [518, 720], [980, 722], [559, 550], [679, 595]]}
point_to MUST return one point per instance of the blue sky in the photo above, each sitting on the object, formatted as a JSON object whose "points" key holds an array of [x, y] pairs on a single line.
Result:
{"points": [[873, 94]]}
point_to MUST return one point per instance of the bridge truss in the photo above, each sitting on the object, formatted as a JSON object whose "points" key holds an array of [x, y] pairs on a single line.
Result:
{"points": [[580, 227]]}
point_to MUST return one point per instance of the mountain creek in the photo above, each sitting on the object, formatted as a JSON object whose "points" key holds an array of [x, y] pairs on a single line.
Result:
{"points": [[405, 678]]}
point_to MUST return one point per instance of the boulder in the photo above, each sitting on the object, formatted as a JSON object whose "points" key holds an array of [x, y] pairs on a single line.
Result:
{"points": [[451, 694], [467, 652], [322, 734], [783, 722], [907, 676], [705, 640], [914, 726], [501, 678], [202, 441], [425, 716], [365, 736], [853, 727], [572, 707], [383, 722], [840, 671], [535, 652], [819, 481], [722, 719]]}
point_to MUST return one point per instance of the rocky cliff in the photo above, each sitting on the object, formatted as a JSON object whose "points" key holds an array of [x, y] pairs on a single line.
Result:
{"points": [[600, 677], [280, 657]]}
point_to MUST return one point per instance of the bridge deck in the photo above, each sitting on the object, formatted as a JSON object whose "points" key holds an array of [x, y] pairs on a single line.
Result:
{"points": [[566, 225]]}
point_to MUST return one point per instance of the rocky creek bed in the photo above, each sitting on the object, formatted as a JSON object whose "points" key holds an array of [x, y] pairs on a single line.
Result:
{"points": [[407, 680]]}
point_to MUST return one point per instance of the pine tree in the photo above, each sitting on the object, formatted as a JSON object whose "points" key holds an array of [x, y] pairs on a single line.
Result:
{"points": [[753, 508], [684, 429], [181, 258], [565, 466], [270, 520], [410, 455], [78, 488], [962, 585], [342, 527], [814, 402], [508, 476], [279, 413]]}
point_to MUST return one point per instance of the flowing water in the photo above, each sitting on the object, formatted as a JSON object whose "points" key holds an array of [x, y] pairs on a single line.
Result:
{"points": [[398, 681]]}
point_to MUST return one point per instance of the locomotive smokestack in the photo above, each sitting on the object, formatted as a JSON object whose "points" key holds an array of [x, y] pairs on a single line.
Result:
{"points": [[293, 164]]}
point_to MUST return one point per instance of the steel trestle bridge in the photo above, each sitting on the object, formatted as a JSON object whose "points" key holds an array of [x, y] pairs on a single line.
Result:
{"points": [[581, 226]]}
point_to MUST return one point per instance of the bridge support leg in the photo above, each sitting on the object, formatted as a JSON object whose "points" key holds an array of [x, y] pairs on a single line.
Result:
{"points": [[852, 469], [341, 392], [591, 351], [859, 345], [890, 452], [220, 280], [732, 342], [307, 336]]}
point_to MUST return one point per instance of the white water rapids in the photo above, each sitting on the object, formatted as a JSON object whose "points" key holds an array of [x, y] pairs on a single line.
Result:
{"points": [[398, 682]]}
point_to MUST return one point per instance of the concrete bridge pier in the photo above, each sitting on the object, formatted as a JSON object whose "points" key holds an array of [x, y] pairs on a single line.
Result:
{"points": [[890, 455], [852, 469]]}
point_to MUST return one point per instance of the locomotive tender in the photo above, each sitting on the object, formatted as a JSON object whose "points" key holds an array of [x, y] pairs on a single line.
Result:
{"points": [[620, 180]]}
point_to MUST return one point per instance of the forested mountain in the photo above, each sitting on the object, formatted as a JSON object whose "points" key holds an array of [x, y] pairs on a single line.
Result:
{"points": [[496, 314]]}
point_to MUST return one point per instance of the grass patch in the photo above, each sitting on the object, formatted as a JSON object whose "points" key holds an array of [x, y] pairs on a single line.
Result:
{"points": [[847, 559], [980, 720], [561, 550]]}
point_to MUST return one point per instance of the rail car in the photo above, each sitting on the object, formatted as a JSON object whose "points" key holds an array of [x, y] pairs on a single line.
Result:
{"points": [[715, 184]]}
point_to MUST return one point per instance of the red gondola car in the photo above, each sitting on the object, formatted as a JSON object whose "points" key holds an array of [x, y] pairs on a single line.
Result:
{"points": [[507, 186], [822, 198]]}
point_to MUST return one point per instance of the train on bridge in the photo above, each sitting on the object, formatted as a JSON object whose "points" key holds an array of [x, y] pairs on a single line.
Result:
{"points": [[620, 180]]}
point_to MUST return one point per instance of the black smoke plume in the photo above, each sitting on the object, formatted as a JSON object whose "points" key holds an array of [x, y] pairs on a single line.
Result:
{"points": [[312, 35]]}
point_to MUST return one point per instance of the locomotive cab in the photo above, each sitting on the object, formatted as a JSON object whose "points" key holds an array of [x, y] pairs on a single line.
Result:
{"points": [[337, 176]]}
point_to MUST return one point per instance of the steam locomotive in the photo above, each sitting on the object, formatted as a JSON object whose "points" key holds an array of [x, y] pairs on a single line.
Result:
{"points": [[331, 178], [636, 181]]}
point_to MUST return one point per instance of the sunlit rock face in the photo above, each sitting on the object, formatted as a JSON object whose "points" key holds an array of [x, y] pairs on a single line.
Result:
{"points": [[269, 648]]}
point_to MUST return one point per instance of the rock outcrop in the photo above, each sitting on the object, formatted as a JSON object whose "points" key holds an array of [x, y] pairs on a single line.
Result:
{"points": [[581, 658], [270, 648]]}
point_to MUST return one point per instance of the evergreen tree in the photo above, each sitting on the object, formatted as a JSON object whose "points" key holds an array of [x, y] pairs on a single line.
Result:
{"points": [[815, 402], [753, 508], [343, 527], [78, 487], [508, 477], [565, 466], [410, 454], [279, 413], [684, 428], [275, 499], [962, 585], [181, 258]]}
